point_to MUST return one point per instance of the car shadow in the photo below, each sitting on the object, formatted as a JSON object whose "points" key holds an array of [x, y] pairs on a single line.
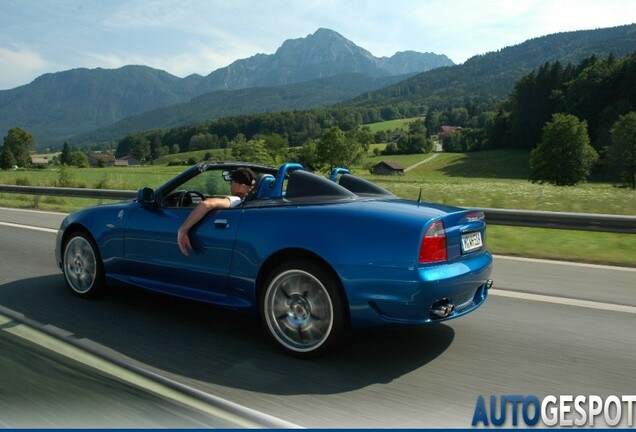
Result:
{"points": [[217, 346]]}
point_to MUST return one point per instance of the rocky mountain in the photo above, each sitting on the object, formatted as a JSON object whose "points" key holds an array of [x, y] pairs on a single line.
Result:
{"points": [[56, 107], [322, 54], [407, 62]]}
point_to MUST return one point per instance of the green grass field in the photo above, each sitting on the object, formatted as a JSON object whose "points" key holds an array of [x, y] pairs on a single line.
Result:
{"points": [[391, 124], [492, 179], [563, 245], [497, 179]]}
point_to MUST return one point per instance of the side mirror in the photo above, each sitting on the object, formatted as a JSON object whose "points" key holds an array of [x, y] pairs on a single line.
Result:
{"points": [[146, 196]]}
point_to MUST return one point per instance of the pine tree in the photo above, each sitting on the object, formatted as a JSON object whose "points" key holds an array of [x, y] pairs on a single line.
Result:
{"points": [[622, 153], [7, 160], [66, 158]]}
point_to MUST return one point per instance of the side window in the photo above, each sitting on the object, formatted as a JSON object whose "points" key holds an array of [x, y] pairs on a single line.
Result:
{"points": [[209, 183], [192, 192]]}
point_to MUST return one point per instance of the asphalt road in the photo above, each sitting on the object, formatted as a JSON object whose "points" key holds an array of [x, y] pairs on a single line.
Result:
{"points": [[569, 330], [42, 389]]}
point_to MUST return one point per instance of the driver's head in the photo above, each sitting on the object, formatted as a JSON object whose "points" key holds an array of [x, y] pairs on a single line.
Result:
{"points": [[243, 180], [244, 176]]}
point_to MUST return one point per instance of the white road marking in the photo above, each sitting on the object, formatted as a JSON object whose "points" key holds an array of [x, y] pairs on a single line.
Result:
{"points": [[564, 301], [33, 211], [34, 228], [565, 263]]}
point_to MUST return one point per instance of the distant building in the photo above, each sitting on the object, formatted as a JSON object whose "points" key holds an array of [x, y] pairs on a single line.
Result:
{"points": [[388, 168], [106, 160], [39, 161], [127, 161], [99, 159], [445, 130]]}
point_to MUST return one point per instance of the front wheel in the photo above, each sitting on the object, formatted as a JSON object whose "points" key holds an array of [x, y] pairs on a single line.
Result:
{"points": [[303, 309], [82, 264]]}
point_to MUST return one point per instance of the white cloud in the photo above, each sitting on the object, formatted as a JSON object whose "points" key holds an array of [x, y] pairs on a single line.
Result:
{"points": [[20, 65], [181, 64], [147, 14], [570, 15]]}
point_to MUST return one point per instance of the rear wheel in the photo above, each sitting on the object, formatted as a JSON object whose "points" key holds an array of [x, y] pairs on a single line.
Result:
{"points": [[303, 309], [82, 264]]}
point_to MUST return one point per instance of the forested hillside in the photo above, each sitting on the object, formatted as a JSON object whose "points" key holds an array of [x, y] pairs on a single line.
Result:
{"points": [[214, 105], [484, 78], [590, 98], [57, 105], [597, 90]]}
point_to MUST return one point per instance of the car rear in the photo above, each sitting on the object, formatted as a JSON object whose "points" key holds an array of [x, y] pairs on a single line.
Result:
{"points": [[453, 254], [440, 268]]}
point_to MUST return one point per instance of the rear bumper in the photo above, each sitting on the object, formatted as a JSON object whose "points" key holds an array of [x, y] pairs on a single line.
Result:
{"points": [[433, 294], [439, 309]]}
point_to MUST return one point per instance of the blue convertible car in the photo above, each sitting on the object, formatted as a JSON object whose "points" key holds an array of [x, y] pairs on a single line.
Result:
{"points": [[314, 257]]}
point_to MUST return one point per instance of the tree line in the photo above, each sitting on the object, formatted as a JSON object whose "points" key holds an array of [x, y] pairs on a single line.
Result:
{"points": [[264, 133], [18, 145], [264, 137]]}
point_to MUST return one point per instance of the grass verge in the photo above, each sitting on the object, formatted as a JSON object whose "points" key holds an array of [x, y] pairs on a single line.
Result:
{"points": [[563, 245]]}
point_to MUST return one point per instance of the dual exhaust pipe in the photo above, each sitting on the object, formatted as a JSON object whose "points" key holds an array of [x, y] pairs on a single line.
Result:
{"points": [[444, 307]]}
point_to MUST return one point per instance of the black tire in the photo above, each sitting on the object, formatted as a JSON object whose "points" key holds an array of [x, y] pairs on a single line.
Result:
{"points": [[303, 309], [82, 265]]}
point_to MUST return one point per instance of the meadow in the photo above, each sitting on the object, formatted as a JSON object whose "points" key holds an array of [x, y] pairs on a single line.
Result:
{"points": [[498, 179], [391, 124]]}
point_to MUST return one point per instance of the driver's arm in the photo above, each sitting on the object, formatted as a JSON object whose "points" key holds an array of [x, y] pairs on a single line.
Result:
{"points": [[195, 216]]}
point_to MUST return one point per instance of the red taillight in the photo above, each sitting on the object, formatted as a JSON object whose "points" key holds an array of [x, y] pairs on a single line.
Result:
{"points": [[433, 247]]}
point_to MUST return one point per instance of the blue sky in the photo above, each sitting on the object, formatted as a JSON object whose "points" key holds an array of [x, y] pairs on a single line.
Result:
{"points": [[198, 36]]}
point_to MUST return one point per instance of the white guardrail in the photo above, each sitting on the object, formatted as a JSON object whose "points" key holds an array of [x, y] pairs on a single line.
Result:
{"points": [[524, 218]]}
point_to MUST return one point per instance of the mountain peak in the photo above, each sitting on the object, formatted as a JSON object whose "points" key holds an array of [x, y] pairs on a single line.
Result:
{"points": [[326, 48], [325, 32], [323, 35], [321, 38]]}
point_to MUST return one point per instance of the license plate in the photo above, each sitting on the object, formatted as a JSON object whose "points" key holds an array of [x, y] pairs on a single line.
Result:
{"points": [[471, 241]]}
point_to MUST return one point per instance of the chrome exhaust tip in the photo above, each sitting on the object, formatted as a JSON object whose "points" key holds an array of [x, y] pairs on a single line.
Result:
{"points": [[442, 308], [489, 283]]}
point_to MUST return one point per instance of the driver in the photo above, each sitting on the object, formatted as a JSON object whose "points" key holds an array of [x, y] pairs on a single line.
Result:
{"points": [[243, 181]]}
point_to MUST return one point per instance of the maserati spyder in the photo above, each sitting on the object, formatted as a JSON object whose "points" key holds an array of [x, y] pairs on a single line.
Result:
{"points": [[314, 257]]}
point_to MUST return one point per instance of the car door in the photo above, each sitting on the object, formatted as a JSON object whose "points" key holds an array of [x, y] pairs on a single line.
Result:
{"points": [[154, 260]]}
